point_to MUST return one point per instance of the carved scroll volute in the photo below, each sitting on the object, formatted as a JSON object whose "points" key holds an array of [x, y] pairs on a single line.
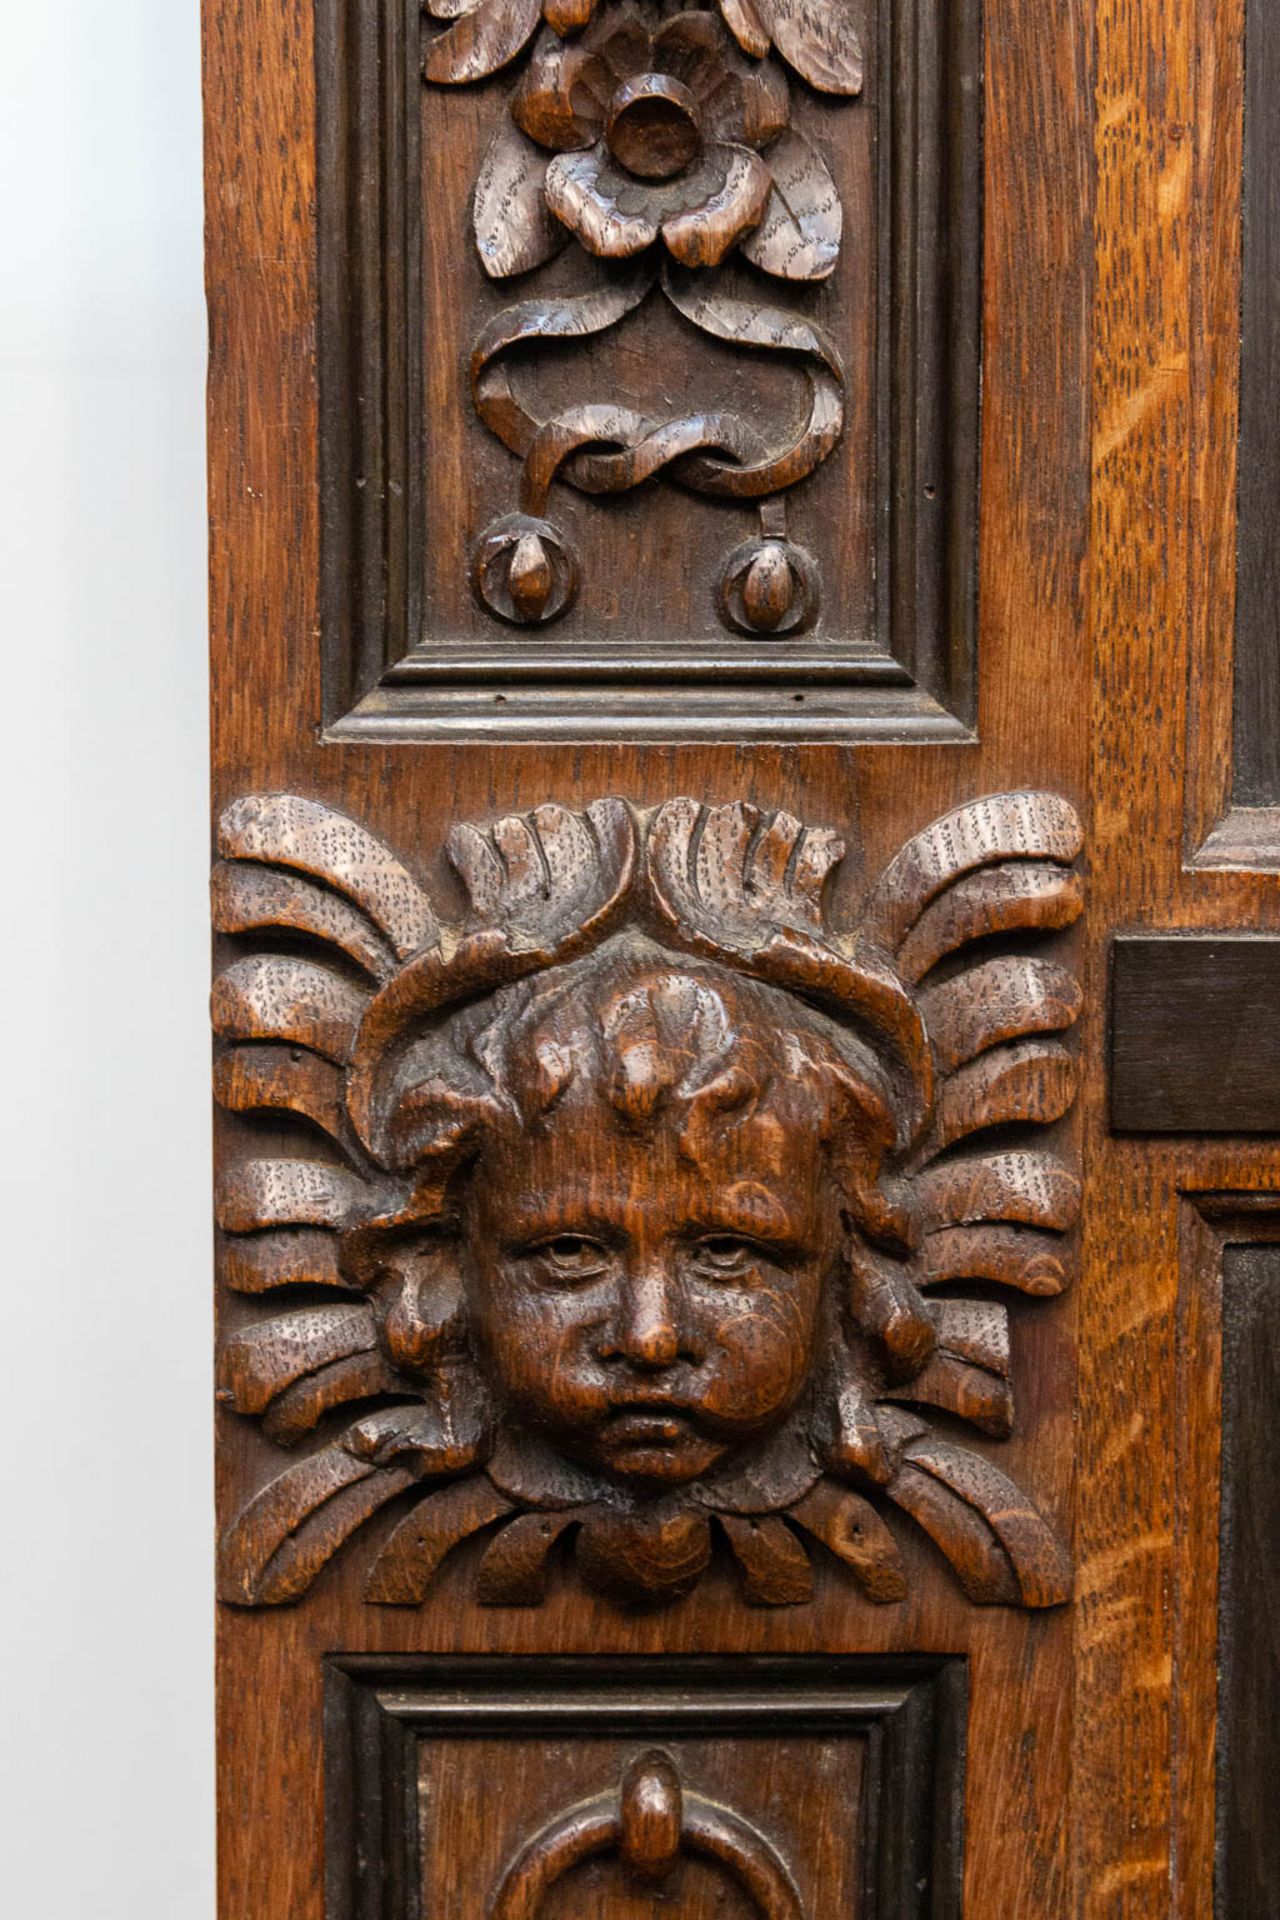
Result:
{"points": [[646, 1192], [662, 144], [650, 1823]]}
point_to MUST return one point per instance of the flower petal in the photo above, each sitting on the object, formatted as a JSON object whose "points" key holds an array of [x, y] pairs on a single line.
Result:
{"points": [[561, 96], [799, 237], [514, 229], [691, 46], [740, 101], [702, 236], [577, 195], [818, 38], [622, 40], [766, 105], [481, 41], [567, 16], [746, 26]]}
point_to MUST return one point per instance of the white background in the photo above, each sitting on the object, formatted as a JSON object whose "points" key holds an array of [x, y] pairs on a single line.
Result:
{"points": [[105, 1552]]}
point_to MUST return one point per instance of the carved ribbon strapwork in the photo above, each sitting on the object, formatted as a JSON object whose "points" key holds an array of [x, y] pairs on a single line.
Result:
{"points": [[662, 142], [644, 1200]]}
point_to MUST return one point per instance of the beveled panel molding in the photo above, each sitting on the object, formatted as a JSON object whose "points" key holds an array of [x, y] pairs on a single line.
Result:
{"points": [[671, 1778]]}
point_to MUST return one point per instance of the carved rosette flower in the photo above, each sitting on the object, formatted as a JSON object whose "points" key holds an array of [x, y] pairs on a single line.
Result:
{"points": [[657, 130], [654, 133]]}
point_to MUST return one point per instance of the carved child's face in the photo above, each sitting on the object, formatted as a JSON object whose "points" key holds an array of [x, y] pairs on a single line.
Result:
{"points": [[646, 1266], [644, 1314]]}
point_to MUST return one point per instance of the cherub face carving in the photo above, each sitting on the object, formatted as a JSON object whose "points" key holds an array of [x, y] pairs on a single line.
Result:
{"points": [[650, 1230], [651, 1331], [651, 1196]]}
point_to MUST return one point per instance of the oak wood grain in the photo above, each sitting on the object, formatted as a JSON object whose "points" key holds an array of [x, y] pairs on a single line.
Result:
{"points": [[1166, 368], [265, 616]]}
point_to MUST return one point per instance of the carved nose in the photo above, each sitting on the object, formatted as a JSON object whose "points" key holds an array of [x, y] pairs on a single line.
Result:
{"points": [[649, 1335]]}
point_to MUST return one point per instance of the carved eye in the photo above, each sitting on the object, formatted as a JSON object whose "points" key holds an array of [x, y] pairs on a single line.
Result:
{"points": [[725, 1256], [570, 1256]]}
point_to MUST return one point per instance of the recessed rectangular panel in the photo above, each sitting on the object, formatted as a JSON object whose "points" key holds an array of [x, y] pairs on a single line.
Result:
{"points": [[1195, 1034], [650, 371], [1248, 1835], [798, 1789]]}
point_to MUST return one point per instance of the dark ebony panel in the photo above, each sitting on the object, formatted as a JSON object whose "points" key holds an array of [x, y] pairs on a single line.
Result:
{"points": [[843, 1777], [1248, 1846], [1257, 692], [1195, 1034]]}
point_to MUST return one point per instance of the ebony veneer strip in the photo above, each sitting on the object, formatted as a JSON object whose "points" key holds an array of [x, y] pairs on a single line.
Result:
{"points": [[1195, 1034]]}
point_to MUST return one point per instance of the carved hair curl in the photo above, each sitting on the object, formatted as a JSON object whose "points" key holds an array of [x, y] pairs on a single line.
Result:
{"points": [[653, 1035]]}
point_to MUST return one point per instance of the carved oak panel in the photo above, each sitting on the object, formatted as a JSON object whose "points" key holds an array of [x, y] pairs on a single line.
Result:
{"points": [[649, 351], [640, 1195], [583, 1789]]}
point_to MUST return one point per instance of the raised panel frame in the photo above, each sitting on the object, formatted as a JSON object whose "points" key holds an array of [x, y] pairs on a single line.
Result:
{"points": [[1225, 1851], [917, 675], [911, 1711]]}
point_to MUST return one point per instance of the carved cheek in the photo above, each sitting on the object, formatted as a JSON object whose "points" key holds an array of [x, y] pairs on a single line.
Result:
{"points": [[762, 1354], [543, 1348]]}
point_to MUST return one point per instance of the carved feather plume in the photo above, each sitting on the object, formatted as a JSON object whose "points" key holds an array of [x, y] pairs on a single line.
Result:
{"points": [[998, 1028], [307, 1035], [543, 888], [747, 889]]}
